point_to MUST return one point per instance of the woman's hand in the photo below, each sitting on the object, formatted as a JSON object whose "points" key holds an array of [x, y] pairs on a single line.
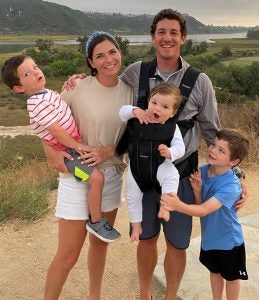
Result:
{"points": [[56, 158], [71, 82], [97, 155], [244, 196]]}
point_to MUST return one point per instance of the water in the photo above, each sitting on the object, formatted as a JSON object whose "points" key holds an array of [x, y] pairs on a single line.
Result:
{"points": [[140, 39], [9, 47]]}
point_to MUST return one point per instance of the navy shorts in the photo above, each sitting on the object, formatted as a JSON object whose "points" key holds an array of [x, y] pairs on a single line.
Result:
{"points": [[178, 229], [230, 264], [80, 171]]}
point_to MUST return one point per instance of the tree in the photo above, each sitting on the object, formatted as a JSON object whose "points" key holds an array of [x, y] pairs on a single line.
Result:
{"points": [[44, 44], [82, 42], [225, 52], [194, 49], [123, 45], [253, 34]]}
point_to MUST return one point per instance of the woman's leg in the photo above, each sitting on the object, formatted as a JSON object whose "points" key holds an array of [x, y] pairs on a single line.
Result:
{"points": [[96, 260], [217, 286], [71, 238]]}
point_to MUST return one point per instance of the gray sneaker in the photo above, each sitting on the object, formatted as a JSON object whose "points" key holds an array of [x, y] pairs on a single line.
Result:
{"points": [[103, 230]]}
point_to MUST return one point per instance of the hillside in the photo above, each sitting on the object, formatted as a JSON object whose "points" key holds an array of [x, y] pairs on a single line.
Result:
{"points": [[42, 17]]}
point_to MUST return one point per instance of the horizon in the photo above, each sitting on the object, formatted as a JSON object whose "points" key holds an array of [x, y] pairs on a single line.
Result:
{"points": [[209, 12]]}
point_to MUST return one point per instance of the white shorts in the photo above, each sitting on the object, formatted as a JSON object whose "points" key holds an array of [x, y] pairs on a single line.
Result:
{"points": [[72, 195]]}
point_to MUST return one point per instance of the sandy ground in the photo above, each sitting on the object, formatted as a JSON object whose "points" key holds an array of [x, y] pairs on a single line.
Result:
{"points": [[26, 250]]}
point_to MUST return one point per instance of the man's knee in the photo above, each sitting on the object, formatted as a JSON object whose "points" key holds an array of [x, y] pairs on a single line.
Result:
{"points": [[148, 243]]}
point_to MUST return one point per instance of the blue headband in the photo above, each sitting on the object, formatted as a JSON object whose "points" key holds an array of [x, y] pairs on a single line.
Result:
{"points": [[93, 36]]}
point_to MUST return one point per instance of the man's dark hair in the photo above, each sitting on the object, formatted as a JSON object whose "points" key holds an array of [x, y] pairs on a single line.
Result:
{"points": [[170, 15], [9, 70]]}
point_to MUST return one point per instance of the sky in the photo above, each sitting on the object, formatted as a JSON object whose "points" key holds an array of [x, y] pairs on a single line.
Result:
{"points": [[215, 12]]}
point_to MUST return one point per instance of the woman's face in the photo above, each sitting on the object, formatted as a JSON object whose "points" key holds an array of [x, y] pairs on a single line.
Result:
{"points": [[106, 59]]}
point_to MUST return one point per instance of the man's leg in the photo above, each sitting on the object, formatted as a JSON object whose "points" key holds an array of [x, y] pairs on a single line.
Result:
{"points": [[174, 264], [146, 259]]}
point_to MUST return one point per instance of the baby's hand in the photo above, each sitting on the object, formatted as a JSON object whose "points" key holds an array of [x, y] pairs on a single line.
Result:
{"points": [[164, 214], [141, 115], [164, 151]]}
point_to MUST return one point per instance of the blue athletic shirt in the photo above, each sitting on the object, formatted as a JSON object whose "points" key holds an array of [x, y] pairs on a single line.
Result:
{"points": [[221, 229]]}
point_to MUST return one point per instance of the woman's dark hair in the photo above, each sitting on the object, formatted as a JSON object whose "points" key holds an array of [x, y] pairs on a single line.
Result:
{"points": [[92, 45], [170, 15]]}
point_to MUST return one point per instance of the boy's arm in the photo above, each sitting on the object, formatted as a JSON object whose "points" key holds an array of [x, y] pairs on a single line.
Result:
{"points": [[172, 202], [56, 158], [63, 137]]}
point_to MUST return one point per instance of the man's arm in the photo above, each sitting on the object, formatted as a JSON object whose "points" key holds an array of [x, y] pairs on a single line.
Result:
{"points": [[207, 117]]}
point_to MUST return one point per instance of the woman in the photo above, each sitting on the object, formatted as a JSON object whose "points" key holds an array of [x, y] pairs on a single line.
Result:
{"points": [[95, 102]]}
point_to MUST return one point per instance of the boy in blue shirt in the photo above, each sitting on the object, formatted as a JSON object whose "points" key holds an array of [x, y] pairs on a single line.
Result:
{"points": [[216, 189]]}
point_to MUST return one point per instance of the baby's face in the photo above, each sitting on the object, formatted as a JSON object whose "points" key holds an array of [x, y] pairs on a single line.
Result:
{"points": [[31, 78], [161, 107]]}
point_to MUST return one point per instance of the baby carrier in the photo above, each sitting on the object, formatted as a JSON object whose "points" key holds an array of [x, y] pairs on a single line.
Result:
{"points": [[142, 140]]}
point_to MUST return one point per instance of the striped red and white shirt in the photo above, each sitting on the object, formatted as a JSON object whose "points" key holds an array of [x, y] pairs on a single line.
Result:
{"points": [[47, 108]]}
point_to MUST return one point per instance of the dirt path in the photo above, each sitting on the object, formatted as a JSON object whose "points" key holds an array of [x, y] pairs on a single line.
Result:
{"points": [[16, 130], [27, 248]]}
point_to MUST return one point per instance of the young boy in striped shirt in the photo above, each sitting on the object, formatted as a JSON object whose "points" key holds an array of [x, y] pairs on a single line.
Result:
{"points": [[52, 120]]}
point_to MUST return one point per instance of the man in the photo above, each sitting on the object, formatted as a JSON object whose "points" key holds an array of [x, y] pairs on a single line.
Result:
{"points": [[168, 33]]}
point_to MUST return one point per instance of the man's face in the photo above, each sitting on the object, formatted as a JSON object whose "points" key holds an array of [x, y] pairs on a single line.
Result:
{"points": [[168, 39]]}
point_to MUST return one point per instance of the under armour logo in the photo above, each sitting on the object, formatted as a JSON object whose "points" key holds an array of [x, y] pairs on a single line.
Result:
{"points": [[242, 273]]}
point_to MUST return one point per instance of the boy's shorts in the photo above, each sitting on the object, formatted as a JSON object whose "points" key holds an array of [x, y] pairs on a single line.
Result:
{"points": [[178, 229], [230, 264], [81, 171]]}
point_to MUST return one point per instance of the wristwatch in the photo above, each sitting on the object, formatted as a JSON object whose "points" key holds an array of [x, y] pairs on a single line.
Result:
{"points": [[239, 173]]}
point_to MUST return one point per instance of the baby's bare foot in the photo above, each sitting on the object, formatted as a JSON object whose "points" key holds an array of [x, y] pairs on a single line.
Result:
{"points": [[164, 214]]}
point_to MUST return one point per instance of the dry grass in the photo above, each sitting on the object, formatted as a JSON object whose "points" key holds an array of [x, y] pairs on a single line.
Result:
{"points": [[24, 190], [245, 118]]}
